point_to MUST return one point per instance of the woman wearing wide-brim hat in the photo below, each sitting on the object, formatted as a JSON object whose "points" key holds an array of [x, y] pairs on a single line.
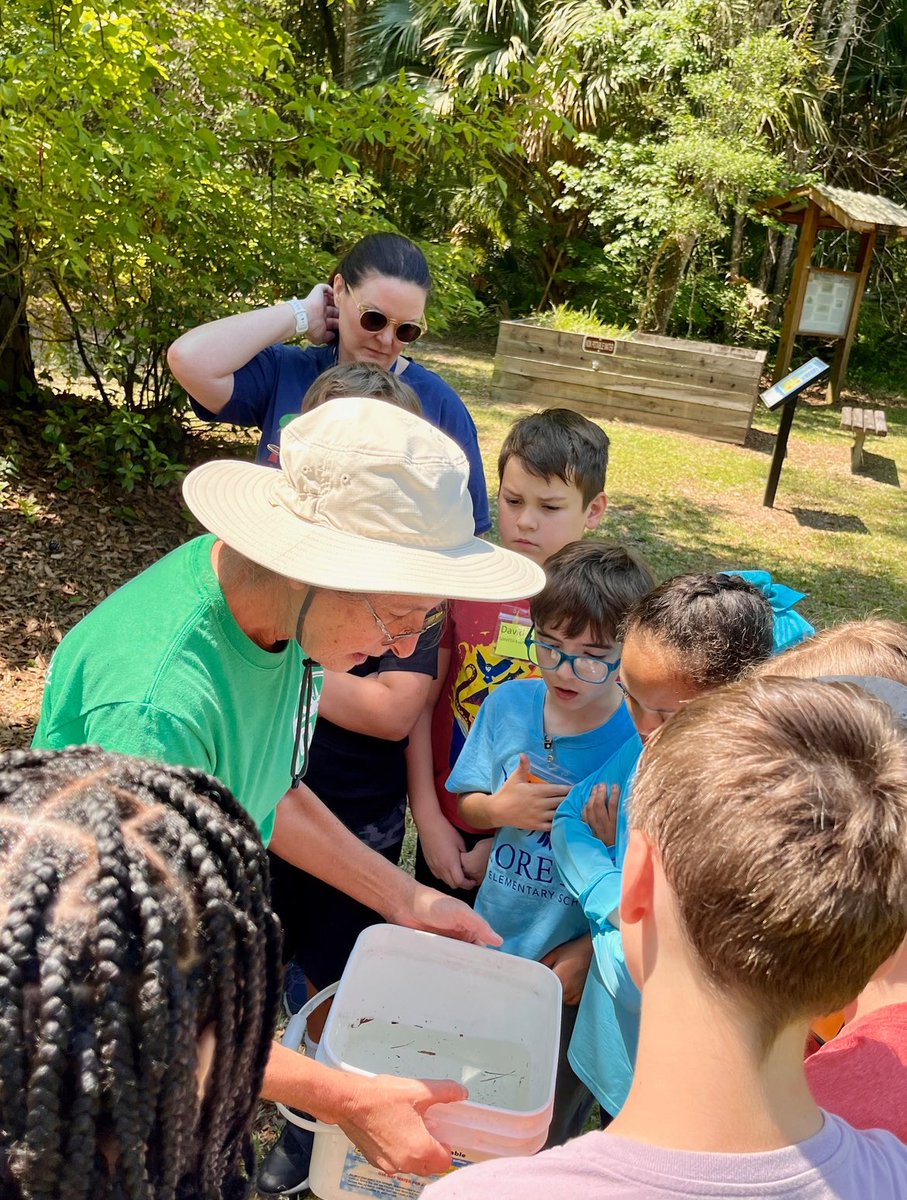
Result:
{"points": [[212, 658]]}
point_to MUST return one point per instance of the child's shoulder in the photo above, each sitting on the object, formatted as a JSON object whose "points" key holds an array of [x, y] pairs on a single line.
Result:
{"points": [[616, 769], [514, 696]]}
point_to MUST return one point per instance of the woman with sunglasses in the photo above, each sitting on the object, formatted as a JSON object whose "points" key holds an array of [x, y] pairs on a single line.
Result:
{"points": [[240, 370]]}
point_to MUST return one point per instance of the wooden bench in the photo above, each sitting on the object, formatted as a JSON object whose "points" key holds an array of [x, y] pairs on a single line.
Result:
{"points": [[862, 422]]}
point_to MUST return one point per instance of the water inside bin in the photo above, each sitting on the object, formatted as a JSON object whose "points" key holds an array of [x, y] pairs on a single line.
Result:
{"points": [[496, 1072]]}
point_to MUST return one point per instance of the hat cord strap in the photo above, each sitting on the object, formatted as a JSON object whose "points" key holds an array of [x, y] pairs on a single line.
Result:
{"points": [[304, 708]]}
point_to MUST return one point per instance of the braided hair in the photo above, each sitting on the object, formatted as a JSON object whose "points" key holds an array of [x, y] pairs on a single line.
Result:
{"points": [[719, 625], [134, 915]]}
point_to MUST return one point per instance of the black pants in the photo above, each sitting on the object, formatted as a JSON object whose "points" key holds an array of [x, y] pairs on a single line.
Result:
{"points": [[320, 923]]}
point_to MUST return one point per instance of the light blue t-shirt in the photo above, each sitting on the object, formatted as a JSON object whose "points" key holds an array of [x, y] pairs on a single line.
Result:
{"points": [[523, 896], [605, 1038]]}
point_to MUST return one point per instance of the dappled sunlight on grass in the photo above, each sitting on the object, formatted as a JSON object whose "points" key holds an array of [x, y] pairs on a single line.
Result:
{"points": [[691, 504]]}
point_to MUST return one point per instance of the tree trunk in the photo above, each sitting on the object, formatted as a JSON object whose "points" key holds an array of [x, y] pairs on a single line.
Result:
{"points": [[737, 241], [845, 33], [17, 368], [664, 281], [354, 14], [779, 288], [767, 266]]}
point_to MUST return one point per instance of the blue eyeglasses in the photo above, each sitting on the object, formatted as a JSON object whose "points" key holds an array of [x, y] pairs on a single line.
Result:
{"points": [[585, 668]]}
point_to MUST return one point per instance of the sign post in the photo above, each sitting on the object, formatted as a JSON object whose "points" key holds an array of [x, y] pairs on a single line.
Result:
{"points": [[786, 391]]}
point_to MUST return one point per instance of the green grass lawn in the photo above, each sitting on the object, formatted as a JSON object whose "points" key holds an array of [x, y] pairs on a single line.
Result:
{"points": [[691, 504]]}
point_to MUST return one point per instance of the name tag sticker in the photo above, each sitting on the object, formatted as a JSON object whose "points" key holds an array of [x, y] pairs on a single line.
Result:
{"points": [[511, 640]]}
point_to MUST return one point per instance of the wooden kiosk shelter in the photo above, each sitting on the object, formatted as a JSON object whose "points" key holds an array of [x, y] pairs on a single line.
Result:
{"points": [[824, 302]]}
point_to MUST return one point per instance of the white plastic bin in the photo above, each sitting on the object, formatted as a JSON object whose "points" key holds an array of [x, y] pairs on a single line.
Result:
{"points": [[415, 1004]]}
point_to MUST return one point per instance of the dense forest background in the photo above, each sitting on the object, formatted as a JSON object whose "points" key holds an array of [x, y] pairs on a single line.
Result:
{"points": [[163, 165]]}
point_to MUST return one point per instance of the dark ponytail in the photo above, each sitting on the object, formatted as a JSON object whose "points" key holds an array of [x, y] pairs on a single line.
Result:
{"points": [[719, 626], [388, 254]]}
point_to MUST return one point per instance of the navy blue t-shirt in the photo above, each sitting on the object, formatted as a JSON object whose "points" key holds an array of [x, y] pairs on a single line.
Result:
{"points": [[273, 384], [362, 779]]}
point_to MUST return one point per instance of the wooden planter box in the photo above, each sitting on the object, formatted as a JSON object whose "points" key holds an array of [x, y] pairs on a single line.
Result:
{"points": [[695, 387]]}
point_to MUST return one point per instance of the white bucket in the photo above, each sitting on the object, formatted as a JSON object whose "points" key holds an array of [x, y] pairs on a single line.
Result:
{"points": [[414, 1004]]}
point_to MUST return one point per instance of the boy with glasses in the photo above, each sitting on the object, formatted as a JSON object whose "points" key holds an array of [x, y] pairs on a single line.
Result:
{"points": [[552, 469], [531, 740]]}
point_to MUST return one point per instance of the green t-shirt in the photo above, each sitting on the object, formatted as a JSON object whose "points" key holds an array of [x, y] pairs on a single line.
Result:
{"points": [[161, 670]]}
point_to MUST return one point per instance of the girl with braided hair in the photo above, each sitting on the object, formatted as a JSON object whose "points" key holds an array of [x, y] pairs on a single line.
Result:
{"points": [[139, 980]]}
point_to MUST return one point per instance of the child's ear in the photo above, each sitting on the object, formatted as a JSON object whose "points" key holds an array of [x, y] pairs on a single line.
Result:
{"points": [[637, 902], [595, 510], [637, 894]]}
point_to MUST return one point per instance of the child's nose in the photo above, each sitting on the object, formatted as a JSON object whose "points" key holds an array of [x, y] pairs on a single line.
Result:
{"points": [[526, 519]]}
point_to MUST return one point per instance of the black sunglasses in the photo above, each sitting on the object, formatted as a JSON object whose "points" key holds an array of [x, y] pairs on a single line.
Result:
{"points": [[373, 320]]}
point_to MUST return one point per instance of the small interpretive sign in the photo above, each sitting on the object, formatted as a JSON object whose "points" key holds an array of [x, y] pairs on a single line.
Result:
{"points": [[598, 345]]}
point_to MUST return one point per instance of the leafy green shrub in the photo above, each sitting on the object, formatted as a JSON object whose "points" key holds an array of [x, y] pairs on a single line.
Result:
{"points": [[579, 320], [118, 447]]}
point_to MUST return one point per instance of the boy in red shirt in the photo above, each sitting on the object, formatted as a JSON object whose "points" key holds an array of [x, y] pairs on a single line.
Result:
{"points": [[862, 1073], [552, 469]]}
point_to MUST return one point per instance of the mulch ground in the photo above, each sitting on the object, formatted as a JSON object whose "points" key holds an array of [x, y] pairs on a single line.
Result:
{"points": [[62, 552]]}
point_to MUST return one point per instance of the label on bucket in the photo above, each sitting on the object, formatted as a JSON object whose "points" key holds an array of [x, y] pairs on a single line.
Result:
{"points": [[362, 1179]]}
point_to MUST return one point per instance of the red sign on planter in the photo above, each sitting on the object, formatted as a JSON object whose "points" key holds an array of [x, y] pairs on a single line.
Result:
{"points": [[598, 345]]}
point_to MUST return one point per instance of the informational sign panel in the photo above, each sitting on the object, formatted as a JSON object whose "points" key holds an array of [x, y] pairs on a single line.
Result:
{"points": [[794, 383], [828, 302], [785, 392]]}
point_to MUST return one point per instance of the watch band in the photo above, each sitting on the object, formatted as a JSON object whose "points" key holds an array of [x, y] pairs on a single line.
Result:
{"points": [[302, 317]]}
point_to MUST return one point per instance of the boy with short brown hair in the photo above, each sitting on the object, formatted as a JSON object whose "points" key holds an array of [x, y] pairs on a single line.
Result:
{"points": [[552, 468], [765, 882], [861, 1074]]}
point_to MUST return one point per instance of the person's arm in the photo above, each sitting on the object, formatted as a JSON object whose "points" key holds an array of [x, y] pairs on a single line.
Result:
{"points": [[570, 963], [608, 951], [468, 438], [446, 409], [309, 836], [130, 727], [586, 866], [381, 1115], [205, 359], [442, 844], [518, 802], [386, 705], [475, 861]]}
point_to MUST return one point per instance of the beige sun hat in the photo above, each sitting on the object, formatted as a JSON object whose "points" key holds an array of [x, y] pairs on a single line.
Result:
{"points": [[368, 498]]}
